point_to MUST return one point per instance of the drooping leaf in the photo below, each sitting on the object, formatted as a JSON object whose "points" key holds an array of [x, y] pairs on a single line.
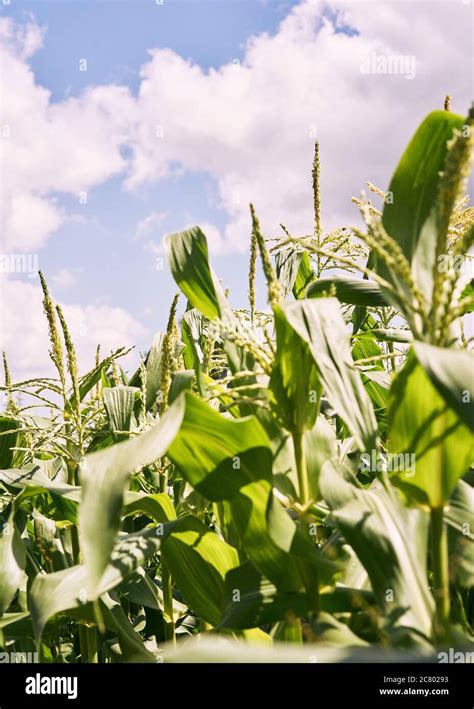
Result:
{"points": [[408, 214], [294, 383], [390, 542], [8, 440], [459, 516], [452, 373], [119, 403], [353, 291], [423, 426], [12, 560], [230, 460], [188, 259], [319, 323], [153, 371], [199, 560], [104, 475], [71, 588]]}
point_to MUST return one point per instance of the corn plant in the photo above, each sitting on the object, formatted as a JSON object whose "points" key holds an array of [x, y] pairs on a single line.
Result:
{"points": [[262, 478]]}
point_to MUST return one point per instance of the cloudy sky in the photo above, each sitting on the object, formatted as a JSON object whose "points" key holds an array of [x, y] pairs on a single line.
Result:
{"points": [[124, 121]]}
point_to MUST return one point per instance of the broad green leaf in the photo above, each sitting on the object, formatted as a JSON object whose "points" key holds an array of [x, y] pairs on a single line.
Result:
{"points": [[354, 291], [182, 381], [119, 403], [104, 476], [423, 426], [319, 323], [8, 440], [33, 482], [294, 388], [12, 560], [231, 460], [188, 260], [199, 560], [158, 507], [390, 542], [320, 445], [294, 272], [452, 373], [408, 216], [304, 277]]}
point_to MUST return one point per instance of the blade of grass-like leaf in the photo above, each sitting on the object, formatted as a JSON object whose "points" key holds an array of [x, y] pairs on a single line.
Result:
{"points": [[452, 373], [199, 560], [389, 540], [320, 324], [353, 291], [104, 476]]}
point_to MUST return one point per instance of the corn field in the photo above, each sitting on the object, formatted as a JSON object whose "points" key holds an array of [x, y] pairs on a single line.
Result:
{"points": [[266, 482]]}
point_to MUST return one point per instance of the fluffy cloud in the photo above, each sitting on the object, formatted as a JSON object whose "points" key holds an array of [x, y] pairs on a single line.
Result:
{"points": [[24, 334], [49, 148], [252, 125]]}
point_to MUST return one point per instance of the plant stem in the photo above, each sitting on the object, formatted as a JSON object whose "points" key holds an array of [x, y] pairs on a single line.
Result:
{"points": [[439, 552], [301, 470], [83, 644], [167, 602], [311, 580], [92, 646]]}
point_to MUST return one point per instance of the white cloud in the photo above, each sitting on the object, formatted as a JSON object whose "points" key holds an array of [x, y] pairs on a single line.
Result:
{"points": [[251, 125], [47, 147], [64, 278], [148, 224], [24, 334]]}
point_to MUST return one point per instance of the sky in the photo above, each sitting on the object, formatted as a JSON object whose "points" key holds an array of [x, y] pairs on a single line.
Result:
{"points": [[123, 121]]}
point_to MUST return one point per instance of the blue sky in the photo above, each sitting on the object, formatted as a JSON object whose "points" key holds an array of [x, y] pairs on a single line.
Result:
{"points": [[115, 38], [243, 88]]}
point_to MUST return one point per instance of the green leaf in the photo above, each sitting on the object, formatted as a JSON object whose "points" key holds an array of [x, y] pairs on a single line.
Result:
{"points": [[199, 560], [182, 381], [408, 215], [424, 426], [230, 460], [295, 389], [12, 560], [390, 542], [250, 600], [294, 272], [459, 517], [353, 291], [304, 277], [153, 371], [119, 403], [451, 372], [71, 588], [8, 441], [319, 323], [93, 377], [104, 476], [188, 260], [158, 507]]}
